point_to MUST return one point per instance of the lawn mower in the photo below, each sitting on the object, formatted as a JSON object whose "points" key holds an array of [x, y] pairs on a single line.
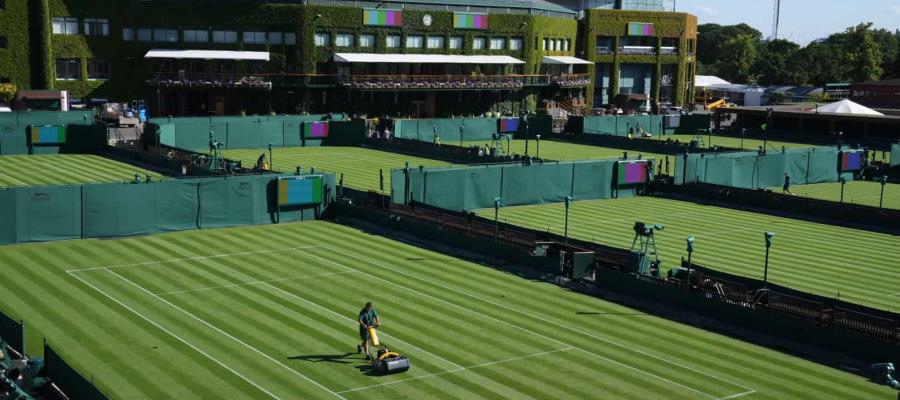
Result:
{"points": [[389, 362]]}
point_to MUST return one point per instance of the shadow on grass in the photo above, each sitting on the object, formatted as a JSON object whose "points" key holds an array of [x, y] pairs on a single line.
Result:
{"points": [[331, 358], [611, 313]]}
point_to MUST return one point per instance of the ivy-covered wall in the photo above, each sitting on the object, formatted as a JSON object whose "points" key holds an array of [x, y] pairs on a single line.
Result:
{"points": [[614, 23], [15, 59]]}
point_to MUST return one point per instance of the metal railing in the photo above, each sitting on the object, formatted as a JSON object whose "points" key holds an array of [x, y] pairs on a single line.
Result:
{"points": [[571, 80], [442, 82], [209, 80]]}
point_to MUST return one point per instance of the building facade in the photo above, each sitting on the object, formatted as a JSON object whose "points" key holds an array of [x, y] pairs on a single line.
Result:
{"points": [[415, 58]]}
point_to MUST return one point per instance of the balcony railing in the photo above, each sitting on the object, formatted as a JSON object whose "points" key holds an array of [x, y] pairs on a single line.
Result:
{"points": [[442, 82], [208, 81], [637, 50], [571, 80]]}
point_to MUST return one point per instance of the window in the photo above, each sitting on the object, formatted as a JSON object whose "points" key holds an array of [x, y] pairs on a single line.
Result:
{"points": [[566, 45], [65, 25], [276, 38], [165, 35], [290, 38], [515, 44], [98, 69], [128, 34], [224, 37], [144, 35], [456, 42], [192, 36], [545, 44], [497, 43], [478, 43], [323, 39], [392, 41], [343, 40], [435, 42], [68, 69], [254, 38], [413, 42], [4, 42], [366, 40], [96, 27]]}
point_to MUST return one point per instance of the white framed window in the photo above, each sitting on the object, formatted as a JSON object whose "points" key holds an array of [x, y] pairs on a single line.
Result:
{"points": [[435, 42], [165, 35], [144, 35], [343, 40], [96, 27], [545, 44], [65, 25], [98, 70], [196, 36], [515, 44], [68, 69], [128, 34], [254, 38], [497, 43], [392, 41], [224, 37], [478, 43], [566, 44], [366, 40], [290, 38], [456, 42], [323, 39], [276, 38], [414, 42]]}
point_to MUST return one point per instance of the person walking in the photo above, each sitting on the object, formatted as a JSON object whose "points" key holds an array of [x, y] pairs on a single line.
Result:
{"points": [[368, 318], [787, 185]]}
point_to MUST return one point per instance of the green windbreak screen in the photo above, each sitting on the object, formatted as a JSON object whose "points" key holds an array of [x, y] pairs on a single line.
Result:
{"points": [[473, 187], [622, 125], [12, 332], [424, 130], [751, 170], [895, 154]]}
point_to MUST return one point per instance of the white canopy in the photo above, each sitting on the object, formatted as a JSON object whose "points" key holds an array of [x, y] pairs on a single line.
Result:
{"points": [[209, 54], [846, 107], [564, 60], [709, 80], [423, 59]]}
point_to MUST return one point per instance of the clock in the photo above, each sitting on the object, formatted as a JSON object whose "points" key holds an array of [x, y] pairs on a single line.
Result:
{"points": [[426, 20]]}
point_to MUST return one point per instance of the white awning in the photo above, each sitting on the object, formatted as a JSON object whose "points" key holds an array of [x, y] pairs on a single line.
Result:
{"points": [[564, 60], [209, 54], [423, 59], [709, 80]]}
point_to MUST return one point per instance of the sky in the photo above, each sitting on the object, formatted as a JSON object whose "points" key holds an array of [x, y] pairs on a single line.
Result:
{"points": [[802, 21]]}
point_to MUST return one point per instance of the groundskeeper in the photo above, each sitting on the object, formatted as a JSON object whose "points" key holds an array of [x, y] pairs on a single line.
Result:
{"points": [[368, 319]]}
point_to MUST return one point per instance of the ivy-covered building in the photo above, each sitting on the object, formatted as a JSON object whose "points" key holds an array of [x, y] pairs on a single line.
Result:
{"points": [[417, 57]]}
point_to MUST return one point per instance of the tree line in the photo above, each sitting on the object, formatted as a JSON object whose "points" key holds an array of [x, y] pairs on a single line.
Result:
{"points": [[738, 53]]}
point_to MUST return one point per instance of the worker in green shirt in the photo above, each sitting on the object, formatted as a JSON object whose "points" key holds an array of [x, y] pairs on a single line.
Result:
{"points": [[368, 317]]}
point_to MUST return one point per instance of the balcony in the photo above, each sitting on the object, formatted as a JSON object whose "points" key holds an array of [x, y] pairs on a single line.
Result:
{"points": [[637, 50], [604, 50], [208, 81], [441, 82], [571, 80]]}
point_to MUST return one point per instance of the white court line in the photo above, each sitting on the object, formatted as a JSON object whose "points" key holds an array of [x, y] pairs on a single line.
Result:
{"points": [[154, 323], [10, 177], [192, 258], [452, 371], [734, 396], [254, 349], [254, 283], [70, 173], [356, 323], [502, 321], [532, 316]]}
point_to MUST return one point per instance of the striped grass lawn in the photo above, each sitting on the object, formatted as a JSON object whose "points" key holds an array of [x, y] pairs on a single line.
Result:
{"points": [[733, 142], [866, 193], [360, 166], [563, 151], [57, 169], [858, 266], [267, 312]]}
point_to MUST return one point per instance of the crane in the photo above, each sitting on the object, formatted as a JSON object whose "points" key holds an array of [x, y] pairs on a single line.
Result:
{"points": [[775, 19]]}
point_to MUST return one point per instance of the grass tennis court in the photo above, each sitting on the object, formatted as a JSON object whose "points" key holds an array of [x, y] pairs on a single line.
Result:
{"points": [[865, 193], [359, 165], [859, 266], [733, 142], [563, 151], [268, 312], [56, 169]]}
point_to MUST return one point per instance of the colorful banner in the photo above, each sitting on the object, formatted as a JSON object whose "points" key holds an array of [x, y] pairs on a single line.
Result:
{"points": [[851, 160], [509, 125], [641, 29], [315, 130], [300, 191], [632, 172], [470, 21], [48, 134], [382, 18]]}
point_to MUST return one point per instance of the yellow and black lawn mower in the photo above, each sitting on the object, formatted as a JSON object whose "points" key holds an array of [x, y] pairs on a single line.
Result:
{"points": [[389, 362]]}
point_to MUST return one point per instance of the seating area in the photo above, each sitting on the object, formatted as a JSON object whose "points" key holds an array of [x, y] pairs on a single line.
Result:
{"points": [[209, 81], [432, 82], [575, 80]]}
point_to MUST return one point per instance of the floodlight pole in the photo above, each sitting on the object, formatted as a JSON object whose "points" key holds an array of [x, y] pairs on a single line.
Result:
{"points": [[271, 161], [883, 183], [843, 182], [769, 236], [462, 127], [497, 201], [525, 121], [743, 132], [538, 145], [690, 250], [566, 229]]}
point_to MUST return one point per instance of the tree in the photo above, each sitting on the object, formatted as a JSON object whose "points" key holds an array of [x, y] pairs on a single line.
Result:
{"points": [[739, 54], [863, 53], [778, 63], [712, 51], [7, 93]]}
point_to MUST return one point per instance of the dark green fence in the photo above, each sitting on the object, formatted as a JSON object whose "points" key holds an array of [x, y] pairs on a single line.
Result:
{"points": [[79, 138], [895, 154], [108, 210], [12, 332], [474, 187], [752, 170], [47, 118], [472, 129], [68, 379]]}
